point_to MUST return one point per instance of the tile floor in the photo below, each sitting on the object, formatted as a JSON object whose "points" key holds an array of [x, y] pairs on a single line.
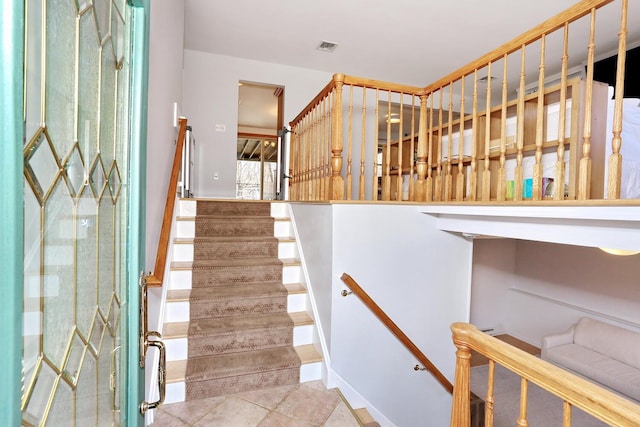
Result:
{"points": [[301, 405]]}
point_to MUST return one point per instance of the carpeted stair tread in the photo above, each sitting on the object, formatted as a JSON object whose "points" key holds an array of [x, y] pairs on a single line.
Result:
{"points": [[239, 334], [237, 302], [204, 207], [263, 289], [221, 263], [227, 325], [228, 365], [215, 226], [236, 272]]}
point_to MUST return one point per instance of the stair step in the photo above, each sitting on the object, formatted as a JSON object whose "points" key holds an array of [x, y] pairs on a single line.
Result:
{"points": [[224, 301], [236, 339], [176, 369], [233, 207], [212, 226], [231, 373]]}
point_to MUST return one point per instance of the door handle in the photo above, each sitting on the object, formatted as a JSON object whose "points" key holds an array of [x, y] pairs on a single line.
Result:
{"points": [[145, 342], [162, 373], [113, 378]]}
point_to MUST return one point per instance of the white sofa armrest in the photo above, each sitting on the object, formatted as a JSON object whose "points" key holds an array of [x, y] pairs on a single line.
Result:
{"points": [[549, 341]]}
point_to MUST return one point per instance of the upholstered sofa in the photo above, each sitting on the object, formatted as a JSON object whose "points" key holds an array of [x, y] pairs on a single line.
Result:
{"points": [[604, 353]]}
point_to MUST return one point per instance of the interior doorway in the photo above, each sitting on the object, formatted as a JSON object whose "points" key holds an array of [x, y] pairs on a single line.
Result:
{"points": [[260, 116]]}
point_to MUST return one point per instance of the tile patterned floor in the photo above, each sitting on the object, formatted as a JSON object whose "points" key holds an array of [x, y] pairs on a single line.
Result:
{"points": [[301, 405]]}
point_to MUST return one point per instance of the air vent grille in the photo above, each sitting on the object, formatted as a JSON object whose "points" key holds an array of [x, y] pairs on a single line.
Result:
{"points": [[326, 46]]}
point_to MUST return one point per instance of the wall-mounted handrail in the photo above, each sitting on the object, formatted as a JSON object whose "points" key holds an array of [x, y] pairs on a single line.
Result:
{"points": [[404, 339], [157, 277], [575, 391]]}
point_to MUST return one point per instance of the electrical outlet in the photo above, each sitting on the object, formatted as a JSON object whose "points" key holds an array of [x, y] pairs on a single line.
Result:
{"points": [[221, 128]]}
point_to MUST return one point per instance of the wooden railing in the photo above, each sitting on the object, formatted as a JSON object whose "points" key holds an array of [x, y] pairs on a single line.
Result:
{"points": [[157, 277], [396, 331], [516, 125], [318, 143], [573, 390]]}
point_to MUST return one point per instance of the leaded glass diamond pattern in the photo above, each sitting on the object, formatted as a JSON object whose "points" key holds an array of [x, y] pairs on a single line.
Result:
{"points": [[114, 181], [74, 169], [74, 60], [41, 165], [97, 178]]}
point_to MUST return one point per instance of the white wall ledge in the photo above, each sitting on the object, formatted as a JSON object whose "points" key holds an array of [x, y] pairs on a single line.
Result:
{"points": [[594, 226]]}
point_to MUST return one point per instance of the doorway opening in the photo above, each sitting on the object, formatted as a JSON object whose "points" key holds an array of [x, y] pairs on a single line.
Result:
{"points": [[260, 116]]}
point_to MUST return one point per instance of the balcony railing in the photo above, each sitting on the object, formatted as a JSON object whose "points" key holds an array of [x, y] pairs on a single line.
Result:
{"points": [[525, 122]]}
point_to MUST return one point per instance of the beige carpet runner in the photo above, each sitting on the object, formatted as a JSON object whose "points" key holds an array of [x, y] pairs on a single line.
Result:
{"points": [[240, 335]]}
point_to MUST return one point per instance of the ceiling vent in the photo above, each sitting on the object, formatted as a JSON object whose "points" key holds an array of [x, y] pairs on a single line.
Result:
{"points": [[485, 79], [326, 46]]}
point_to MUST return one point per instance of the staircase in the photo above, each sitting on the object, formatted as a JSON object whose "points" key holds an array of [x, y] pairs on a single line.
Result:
{"points": [[236, 313]]}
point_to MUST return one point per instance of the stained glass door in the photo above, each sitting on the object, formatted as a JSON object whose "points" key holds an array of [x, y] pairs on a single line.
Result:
{"points": [[76, 163]]}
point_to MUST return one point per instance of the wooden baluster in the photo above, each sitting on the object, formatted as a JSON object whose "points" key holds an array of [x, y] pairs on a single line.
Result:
{"points": [[558, 188], [486, 173], [328, 142], [304, 149], [473, 176], [422, 167], [615, 160], [317, 152], [584, 180], [460, 407], [336, 183], [313, 144], [361, 195], [566, 414], [349, 148], [412, 157], [490, 397], [537, 167], [293, 162], [524, 388], [386, 175], [460, 176], [518, 188], [429, 184], [324, 157], [437, 196], [502, 173], [374, 187], [448, 182], [400, 138]]}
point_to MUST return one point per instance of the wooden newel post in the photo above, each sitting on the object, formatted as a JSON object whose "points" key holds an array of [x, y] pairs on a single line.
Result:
{"points": [[461, 404], [421, 161], [336, 183]]}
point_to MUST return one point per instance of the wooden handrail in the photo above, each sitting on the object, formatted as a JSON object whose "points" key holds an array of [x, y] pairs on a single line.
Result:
{"points": [[404, 339], [576, 391], [157, 277], [315, 101]]}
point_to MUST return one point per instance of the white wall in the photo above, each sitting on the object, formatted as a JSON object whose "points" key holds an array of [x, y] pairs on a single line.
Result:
{"points": [[165, 88], [557, 284], [529, 289], [494, 263], [419, 275], [211, 98], [314, 226]]}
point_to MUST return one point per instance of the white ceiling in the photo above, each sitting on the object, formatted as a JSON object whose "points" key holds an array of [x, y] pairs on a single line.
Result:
{"points": [[412, 42]]}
